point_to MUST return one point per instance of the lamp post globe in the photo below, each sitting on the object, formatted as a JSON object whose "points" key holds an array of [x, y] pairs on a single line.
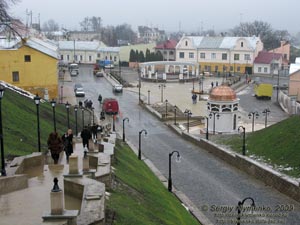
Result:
{"points": [[53, 103]]}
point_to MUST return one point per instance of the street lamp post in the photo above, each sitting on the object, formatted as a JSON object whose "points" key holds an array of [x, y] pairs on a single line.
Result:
{"points": [[175, 112], [114, 126], [82, 118], [244, 139], [188, 113], [162, 86], [3, 171], [68, 113], [37, 102], [253, 114], [53, 102], [140, 151], [125, 119], [214, 114], [170, 169], [240, 206], [166, 108], [206, 127], [76, 128], [93, 113], [266, 113], [148, 97]]}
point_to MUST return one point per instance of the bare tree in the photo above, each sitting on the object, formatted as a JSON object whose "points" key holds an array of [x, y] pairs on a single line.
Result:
{"points": [[269, 37], [4, 6], [85, 24], [50, 26], [95, 23]]}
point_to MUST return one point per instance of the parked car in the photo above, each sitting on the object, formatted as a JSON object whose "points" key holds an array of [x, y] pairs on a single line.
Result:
{"points": [[99, 74], [110, 106], [118, 88], [78, 89]]}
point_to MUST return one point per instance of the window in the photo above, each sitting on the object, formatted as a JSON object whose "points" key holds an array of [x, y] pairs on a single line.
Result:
{"points": [[115, 58], [165, 52], [216, 68], [224, 56], [15, 76], [62, 57], [242, 44], [81, 57], [231, 68], [68, 57], [186, 43], [259, 69], [247, 57], [181, 55], [98, 55], [213, 56], [27, 58], [90, 58], [265, 69], [171, 53], [202, 55], [75, 57], [236, 56], [238, 68], [191, 55]]}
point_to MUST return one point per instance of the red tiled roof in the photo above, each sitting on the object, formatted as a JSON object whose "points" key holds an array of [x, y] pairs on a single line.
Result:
{"points": [[266, 57], [169, 44]]}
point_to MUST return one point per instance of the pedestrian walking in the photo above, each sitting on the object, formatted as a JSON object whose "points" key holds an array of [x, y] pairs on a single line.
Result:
{"points": [[212, 84], [55, 145], [86, 136], [102, 115], [217, 84], [100, 99], [194, 98], [67, 139], [94, 131]]}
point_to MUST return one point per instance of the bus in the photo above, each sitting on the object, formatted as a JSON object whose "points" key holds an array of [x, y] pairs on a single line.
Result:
{"points": [[74, 69]]}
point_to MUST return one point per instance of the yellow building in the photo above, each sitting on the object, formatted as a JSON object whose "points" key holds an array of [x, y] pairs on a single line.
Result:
{"points": [[30, 64]]}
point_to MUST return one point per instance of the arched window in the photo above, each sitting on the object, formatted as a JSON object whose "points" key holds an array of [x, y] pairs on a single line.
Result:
{"points": [[242, 44], [186, 43]]}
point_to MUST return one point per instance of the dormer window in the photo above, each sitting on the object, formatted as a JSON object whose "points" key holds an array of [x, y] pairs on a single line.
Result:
{"points": [[186, 43], [242, 44]]}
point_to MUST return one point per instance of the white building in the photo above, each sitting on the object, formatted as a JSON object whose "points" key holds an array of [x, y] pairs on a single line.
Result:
{"points": [[87, 52], [219, 54], [222, 110]]}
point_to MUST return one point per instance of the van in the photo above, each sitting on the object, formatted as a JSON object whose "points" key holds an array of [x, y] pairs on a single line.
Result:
{"points": [[110, 106]]}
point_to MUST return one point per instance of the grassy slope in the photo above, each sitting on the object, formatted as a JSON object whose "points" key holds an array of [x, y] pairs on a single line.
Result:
{"points": [[278, 144], [140, 198], [19, 121]]}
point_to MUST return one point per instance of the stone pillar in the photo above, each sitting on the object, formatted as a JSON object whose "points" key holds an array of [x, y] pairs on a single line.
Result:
{"points": [[149, 74], [167, 68], [85, 162], [56, 199], [164, 76], [73, 164]]}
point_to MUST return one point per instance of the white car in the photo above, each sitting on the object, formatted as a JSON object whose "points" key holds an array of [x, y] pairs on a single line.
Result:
{"points": [[118, 88], [78, 89]]}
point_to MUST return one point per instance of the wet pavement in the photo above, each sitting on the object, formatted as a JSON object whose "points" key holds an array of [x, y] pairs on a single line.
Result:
{"points": [[26, 206]]}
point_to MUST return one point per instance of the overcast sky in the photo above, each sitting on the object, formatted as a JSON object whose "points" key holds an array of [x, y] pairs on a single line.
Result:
{"points": [[170, 15]]}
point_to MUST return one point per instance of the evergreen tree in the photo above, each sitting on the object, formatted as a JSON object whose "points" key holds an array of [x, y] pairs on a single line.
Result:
{"points": [[141, 56], [132, 56]]}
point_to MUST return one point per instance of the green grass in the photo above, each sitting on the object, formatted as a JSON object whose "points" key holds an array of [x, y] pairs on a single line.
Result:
{"points": [[278, 145], [139, 197], [19, 121]]}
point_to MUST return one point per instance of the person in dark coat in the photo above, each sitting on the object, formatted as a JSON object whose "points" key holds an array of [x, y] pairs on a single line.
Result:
{"points": [[86, 136], [68, 143], [100, 98], [55, 144], [94, 131]]}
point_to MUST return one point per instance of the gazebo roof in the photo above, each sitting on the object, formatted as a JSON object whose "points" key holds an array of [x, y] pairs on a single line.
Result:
{"points": [[222, 93]]}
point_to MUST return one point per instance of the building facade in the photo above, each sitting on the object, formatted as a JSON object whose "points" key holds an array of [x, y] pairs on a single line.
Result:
{"points": [[220, 54], [167, 49], [268, 63], [87, 52], [30, 64]]}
